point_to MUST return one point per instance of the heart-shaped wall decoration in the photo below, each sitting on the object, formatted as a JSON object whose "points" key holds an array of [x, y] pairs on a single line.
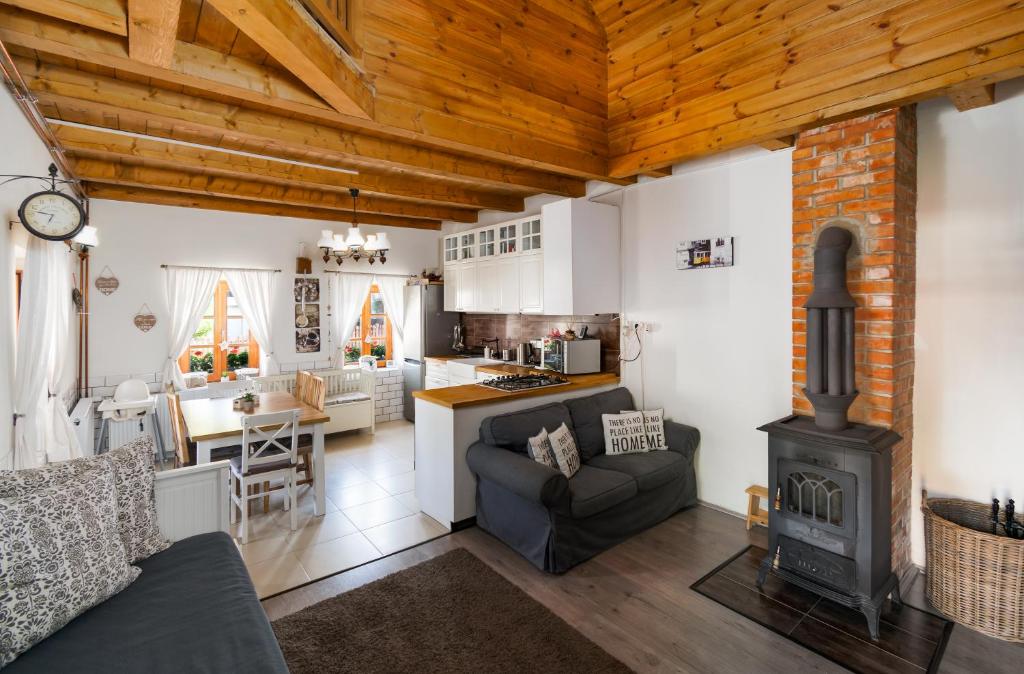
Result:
{"points": [[106, 282], [145, 320]]}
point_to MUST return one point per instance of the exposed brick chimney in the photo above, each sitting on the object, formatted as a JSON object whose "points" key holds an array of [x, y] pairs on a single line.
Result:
{"points": [[864, 170]]}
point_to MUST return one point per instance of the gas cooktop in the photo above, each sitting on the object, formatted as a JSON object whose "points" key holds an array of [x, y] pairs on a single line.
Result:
{"points": [[523, 382]]}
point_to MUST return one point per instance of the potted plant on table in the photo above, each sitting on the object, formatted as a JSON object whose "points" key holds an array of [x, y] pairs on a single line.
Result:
{"points": [[247, 403]]}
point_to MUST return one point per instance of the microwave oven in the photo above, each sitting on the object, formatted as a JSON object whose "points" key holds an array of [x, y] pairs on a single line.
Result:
{"points": [[571, 356]]}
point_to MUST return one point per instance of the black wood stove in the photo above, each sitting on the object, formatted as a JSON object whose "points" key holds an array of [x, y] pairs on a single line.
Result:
{"points": [[829, 527]]}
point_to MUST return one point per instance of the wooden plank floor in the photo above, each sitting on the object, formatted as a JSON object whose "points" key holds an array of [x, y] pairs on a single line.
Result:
{"points": [[635, 601]]}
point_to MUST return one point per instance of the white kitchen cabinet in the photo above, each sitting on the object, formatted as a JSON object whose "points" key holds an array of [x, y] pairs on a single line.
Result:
{"points": [[508, 285], [530, 239], [451, 287], [488, 293], [531, 284], [434, 382], [451, 249], [581, 267], [467, 290]]}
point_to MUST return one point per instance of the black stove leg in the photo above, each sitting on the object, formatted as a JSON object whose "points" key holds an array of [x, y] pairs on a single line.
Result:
{"points": [[871, 612], [895, 597]]}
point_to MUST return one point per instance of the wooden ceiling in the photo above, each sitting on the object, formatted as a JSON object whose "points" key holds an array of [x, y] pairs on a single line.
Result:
{"points": [[436, 109]]}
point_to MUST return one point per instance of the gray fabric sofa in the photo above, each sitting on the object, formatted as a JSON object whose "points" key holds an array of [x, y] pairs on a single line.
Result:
{"points": [[556, 522], [193, 609]]}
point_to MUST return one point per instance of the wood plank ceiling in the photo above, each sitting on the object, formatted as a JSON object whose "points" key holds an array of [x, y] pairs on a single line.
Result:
{"points": [[436, 109]]}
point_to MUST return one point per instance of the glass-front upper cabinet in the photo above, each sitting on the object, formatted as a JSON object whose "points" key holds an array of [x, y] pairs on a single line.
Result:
{"points": [[467, 245], [531, 235], [486, 242], [451, 249], [508, 239]]}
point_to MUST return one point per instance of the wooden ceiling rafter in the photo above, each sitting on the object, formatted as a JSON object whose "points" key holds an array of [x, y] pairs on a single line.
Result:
{"points": [[152, 27], [179, 180], [111, 99], [102, 143], [215, 203]]}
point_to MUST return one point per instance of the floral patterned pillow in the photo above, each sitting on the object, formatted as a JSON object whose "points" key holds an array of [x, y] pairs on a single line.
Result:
{"points": [[60, 554], [133, 478]]}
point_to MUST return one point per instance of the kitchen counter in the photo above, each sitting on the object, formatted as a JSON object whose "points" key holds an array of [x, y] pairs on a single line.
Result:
{"points": [[444, 359], [456, 397]]}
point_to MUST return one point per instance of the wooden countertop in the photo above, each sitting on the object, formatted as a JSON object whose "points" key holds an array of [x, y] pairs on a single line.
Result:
{"points": [[454, 397], [443, 359]]}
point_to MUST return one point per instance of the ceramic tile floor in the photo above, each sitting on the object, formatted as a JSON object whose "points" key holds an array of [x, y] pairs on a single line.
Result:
{"points": [[371, 512]]}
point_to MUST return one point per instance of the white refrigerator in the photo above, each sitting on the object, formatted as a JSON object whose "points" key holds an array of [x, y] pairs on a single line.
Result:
{"points": [[428, 331]]}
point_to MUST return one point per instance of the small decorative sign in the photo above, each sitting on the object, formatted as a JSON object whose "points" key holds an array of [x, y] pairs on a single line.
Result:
{"points": [[106, 282], [704, 253], [145, 320]]}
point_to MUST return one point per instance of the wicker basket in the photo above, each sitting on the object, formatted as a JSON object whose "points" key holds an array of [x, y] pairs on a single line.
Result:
{"points": [[973, 576]]}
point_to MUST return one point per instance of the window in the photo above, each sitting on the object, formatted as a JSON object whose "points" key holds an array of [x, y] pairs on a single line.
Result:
{"points": [[222, 342], [372, 334]]}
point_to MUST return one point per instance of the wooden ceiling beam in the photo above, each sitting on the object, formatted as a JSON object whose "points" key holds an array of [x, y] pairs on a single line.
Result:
{"points": [[152, 27], [214, 203], [291, 37], [131, 175], [781, 143], [261, 87], [106, 15], [112, 99], [969, 98], [98, 143]]}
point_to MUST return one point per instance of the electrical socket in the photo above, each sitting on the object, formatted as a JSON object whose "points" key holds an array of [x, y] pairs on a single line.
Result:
{"points": [[639, 326]]}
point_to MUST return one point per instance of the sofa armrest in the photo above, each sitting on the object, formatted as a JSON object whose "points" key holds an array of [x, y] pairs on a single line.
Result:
{"points": [[682, 438], [518, 473]]}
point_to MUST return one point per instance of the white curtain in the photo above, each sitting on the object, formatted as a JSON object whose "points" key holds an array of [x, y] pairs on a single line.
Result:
{"points": [[189, 290], [347, 297], [393, 290], [43, 431], [254, 291]]}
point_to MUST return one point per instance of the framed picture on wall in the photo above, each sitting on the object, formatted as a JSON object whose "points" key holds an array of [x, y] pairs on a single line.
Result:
{"points": [[310, 287], [307, 340], [307, 316], [705, 253]]}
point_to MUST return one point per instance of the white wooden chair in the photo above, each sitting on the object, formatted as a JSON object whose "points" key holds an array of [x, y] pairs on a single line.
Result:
{"points": [[265, 457]]}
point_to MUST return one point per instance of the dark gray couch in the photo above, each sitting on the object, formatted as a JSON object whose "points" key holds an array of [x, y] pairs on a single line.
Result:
{"points": [[556, 522], [192, 609]]}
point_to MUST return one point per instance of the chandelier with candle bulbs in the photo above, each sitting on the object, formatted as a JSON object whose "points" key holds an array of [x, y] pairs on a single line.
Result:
{"points": [[353, 246]]}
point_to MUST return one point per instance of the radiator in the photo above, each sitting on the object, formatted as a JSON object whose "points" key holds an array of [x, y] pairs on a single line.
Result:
{"points": [[84, 420], [122, 432], [192, 500]]}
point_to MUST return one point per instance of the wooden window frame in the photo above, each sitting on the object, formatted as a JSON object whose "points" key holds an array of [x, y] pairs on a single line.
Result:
{"points": [[219, 334], [364, 327]]}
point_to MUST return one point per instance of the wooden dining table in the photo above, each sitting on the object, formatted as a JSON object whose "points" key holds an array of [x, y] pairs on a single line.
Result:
{"points": [[212, 423]]}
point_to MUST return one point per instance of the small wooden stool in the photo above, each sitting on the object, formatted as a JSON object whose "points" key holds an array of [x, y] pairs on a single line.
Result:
{"points": [[755, 513]]}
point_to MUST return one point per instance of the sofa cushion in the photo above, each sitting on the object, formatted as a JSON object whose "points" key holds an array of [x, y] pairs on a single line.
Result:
{"points": [[344, 398], [650, 469], [586, 418], [593, 490], [193, 609], [60, 554], [513, 430]]}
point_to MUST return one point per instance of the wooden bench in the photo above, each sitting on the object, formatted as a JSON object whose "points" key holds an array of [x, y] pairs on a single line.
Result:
{"points": [[349, 400], [755, 513]]}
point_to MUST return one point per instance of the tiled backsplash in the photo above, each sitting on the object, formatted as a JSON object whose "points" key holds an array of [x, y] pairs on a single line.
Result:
{"points": [[512, 329]]}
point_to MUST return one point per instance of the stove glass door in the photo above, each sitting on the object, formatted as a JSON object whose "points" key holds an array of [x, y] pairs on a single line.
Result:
{"points": [[818, 496]]}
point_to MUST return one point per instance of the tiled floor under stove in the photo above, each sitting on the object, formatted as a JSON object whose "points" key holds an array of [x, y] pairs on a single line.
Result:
{"points": [[371, 512]]}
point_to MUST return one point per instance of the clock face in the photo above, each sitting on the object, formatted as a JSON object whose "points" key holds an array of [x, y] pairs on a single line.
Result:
{"points": [[52, 215]]}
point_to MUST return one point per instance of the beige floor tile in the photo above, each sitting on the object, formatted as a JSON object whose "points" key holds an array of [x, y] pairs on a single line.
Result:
{"points": [[320, 530], [367, 461], [398, 484], [338, 478], [357, 494], [277, 574], [389, 468], [404, 533], [409, 500], [403, 452], [377, 512], [337, 555], [261, 549]]}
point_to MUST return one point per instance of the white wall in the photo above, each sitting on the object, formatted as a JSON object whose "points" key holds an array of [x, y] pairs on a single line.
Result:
{"points": [[135, 239], [969, 377], [720, 353], [23, 153]]}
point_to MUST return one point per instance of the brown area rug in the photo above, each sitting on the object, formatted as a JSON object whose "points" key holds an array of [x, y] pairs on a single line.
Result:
{"points": [[452, 613]]}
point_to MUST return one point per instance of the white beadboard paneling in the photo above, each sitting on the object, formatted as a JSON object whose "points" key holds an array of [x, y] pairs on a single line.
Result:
{"points": [[192, 500]]}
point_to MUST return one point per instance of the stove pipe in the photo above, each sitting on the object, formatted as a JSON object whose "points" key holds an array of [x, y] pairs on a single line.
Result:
{"points": [[830, 338]]}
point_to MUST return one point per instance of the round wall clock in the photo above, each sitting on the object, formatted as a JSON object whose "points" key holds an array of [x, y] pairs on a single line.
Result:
{"points": [[52, 215]]}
